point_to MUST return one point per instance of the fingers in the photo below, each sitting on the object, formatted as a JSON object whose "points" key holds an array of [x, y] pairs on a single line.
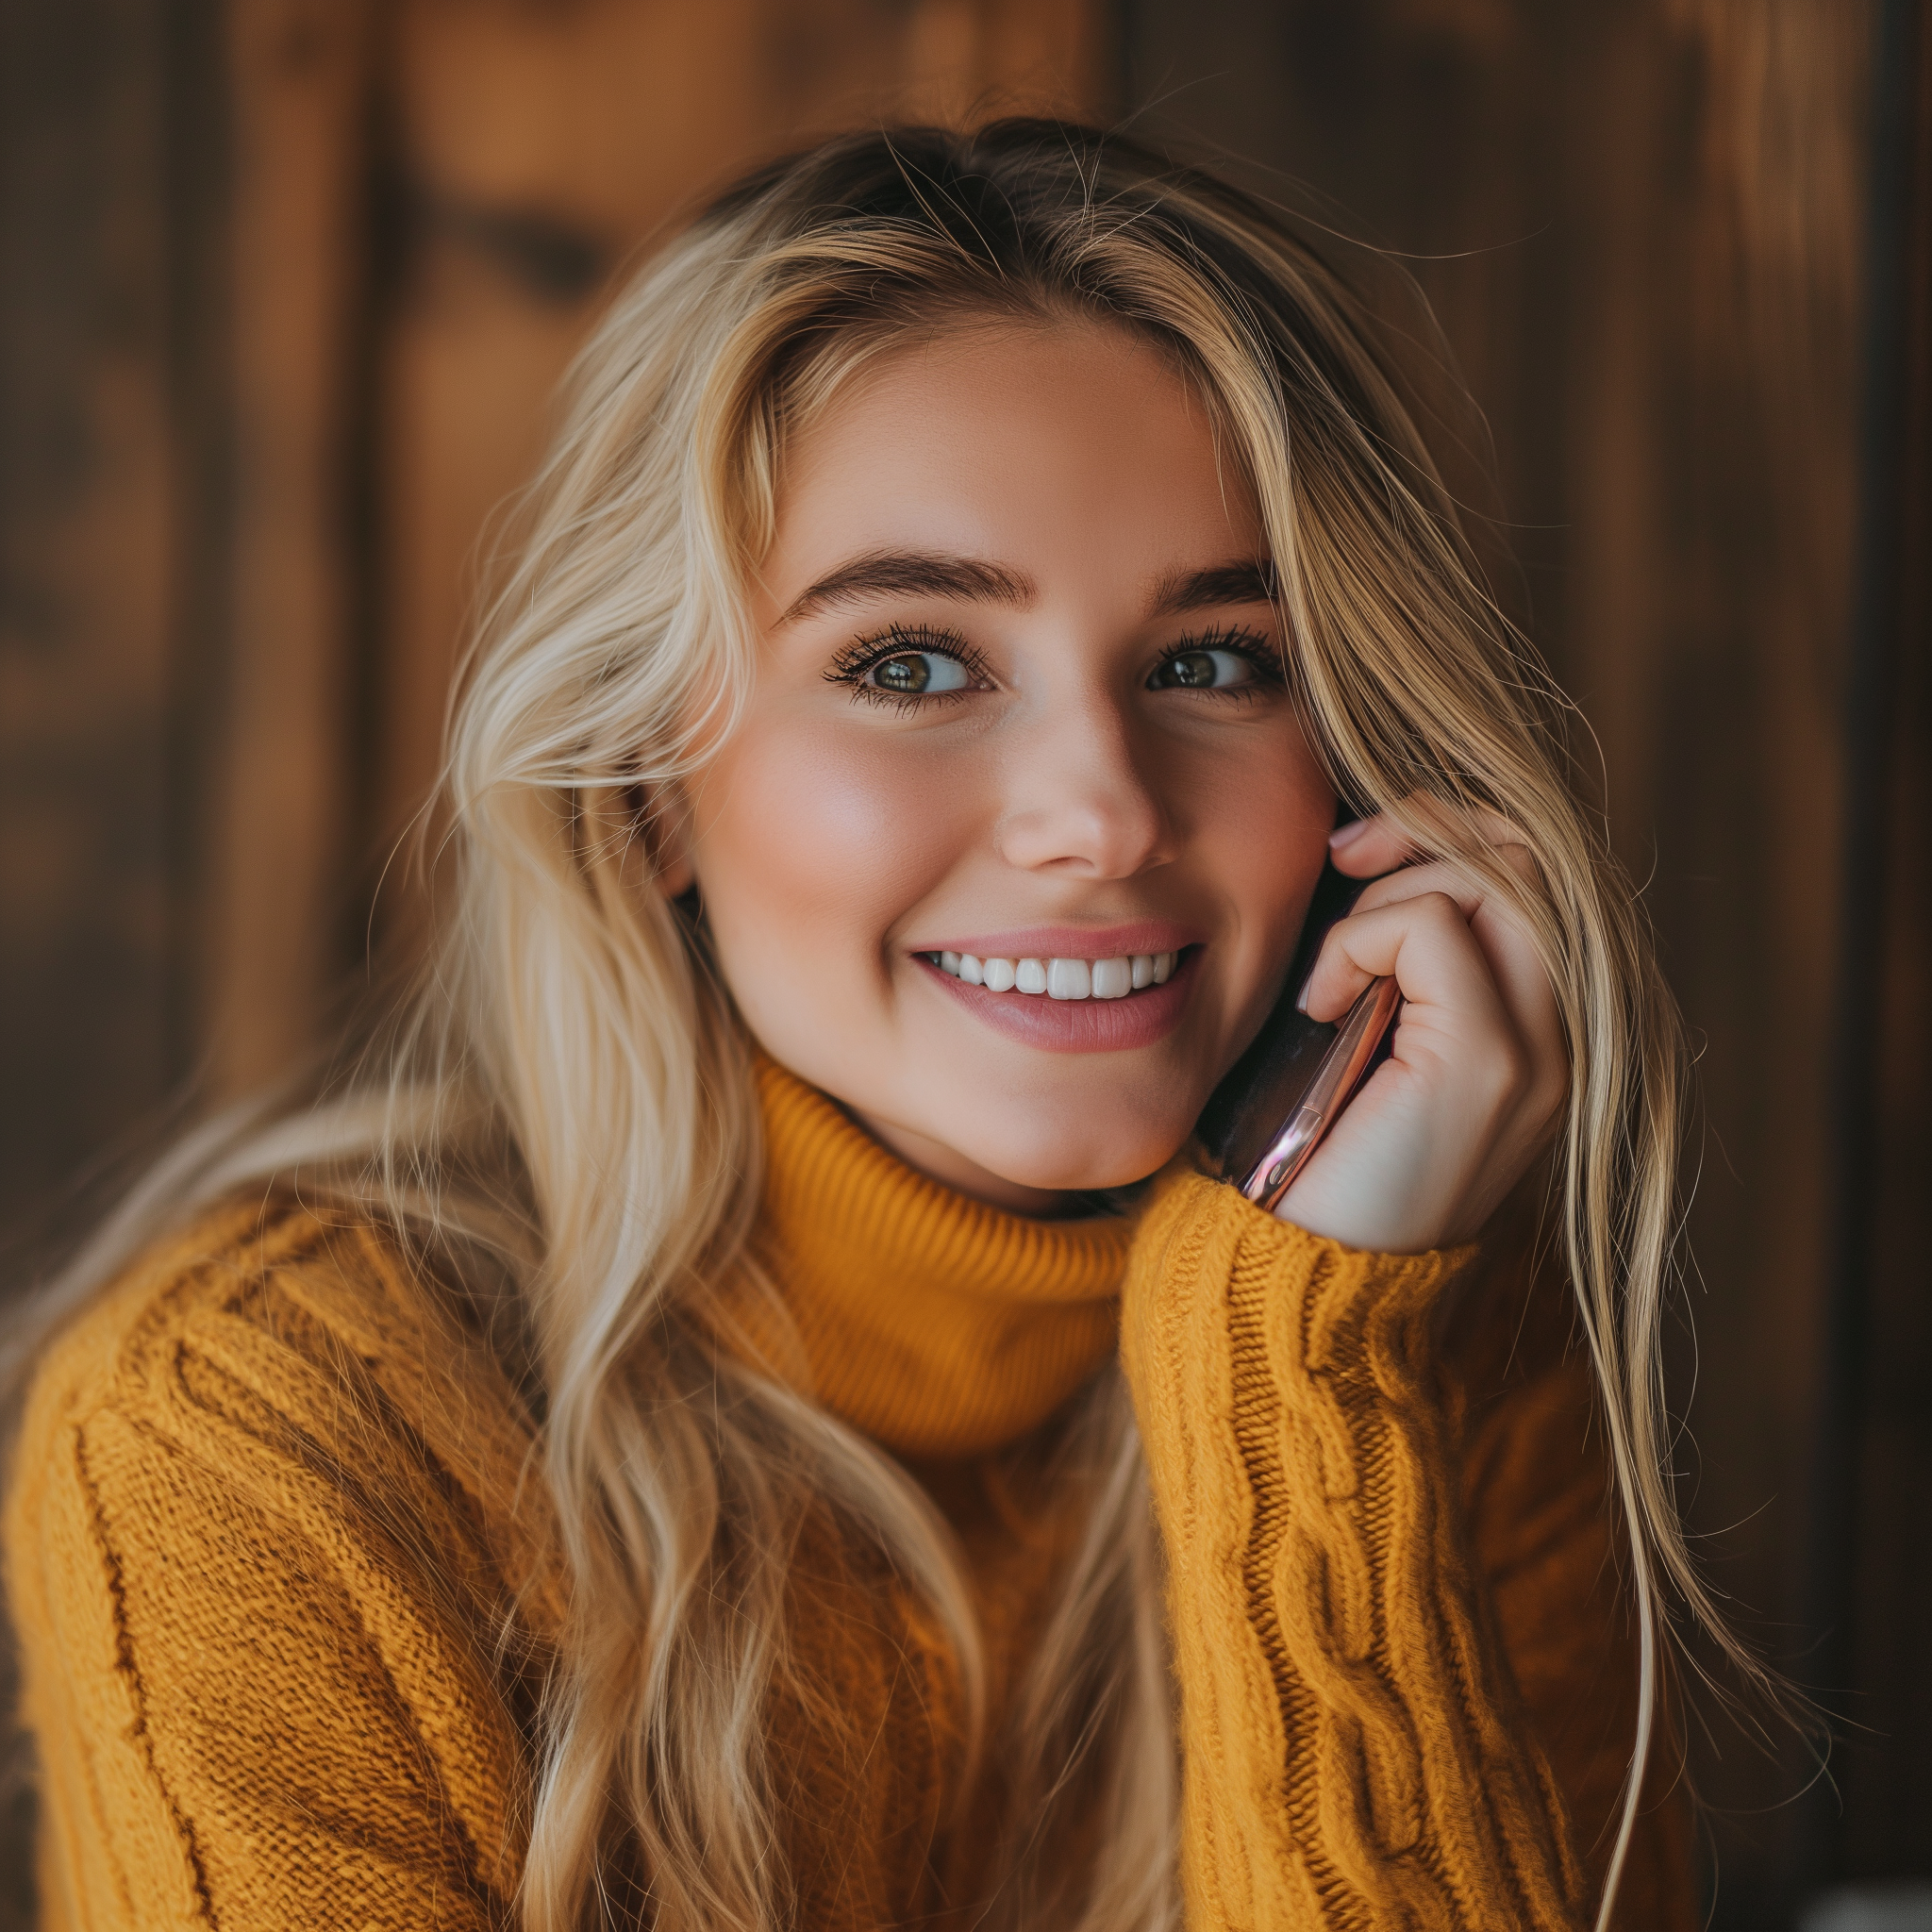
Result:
{"points": [[1368, 846], [1375, 844], [1465, 961], [1499, 929], [1424, 942]]}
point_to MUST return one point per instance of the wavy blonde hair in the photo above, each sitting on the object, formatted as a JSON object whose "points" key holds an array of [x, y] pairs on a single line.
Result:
{"points": [[568, 1098]]}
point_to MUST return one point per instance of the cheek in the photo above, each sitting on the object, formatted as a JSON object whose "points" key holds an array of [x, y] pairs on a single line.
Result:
{"points": [[1260, 833], [809, 849]]}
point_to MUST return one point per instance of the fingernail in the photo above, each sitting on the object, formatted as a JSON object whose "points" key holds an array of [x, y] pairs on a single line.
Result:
{"points": [[1342, 837]]}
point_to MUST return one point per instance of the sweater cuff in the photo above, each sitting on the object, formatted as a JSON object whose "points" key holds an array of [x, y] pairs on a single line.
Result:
{"points": [[1363, 1313]]}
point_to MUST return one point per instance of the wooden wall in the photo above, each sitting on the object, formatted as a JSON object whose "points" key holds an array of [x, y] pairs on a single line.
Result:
{"points": [[287, 288]]}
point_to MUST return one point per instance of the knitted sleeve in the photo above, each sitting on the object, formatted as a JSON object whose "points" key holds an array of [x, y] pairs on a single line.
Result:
{"points": [[1353, 1752], [253, 1700]]}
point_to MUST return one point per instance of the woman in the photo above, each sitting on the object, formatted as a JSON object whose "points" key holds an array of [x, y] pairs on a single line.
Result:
{"points": [[749, 1411]]}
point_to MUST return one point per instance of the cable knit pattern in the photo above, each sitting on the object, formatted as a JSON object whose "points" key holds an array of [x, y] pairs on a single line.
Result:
{"points": [[1354, 1756], [274, 1544]]}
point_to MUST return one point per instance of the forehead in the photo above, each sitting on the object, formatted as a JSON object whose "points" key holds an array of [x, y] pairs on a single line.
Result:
{"points": [[1056, 448]]}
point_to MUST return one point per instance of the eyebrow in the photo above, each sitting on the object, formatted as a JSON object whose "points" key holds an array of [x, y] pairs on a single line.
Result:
{"points": [[913, 573], [1253, 582], [970, 579]]}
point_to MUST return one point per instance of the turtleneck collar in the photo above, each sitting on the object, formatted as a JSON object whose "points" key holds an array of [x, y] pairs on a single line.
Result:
{"points": [[933, 1323]]}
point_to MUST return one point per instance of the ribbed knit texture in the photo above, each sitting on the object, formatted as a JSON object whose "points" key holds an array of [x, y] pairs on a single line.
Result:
{"points": [[273, 1501], [936, 1325]]}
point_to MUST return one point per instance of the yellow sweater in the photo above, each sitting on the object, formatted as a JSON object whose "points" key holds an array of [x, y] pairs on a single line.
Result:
{"points": [[269, 1506]]}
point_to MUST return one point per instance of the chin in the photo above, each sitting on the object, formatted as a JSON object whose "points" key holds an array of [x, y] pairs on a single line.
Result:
{"points": [[1060, 1159]]}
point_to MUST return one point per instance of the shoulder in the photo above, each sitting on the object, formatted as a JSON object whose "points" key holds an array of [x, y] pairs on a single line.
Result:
{"points": [[262, 1294], [275, 1346], [274, 1272]]}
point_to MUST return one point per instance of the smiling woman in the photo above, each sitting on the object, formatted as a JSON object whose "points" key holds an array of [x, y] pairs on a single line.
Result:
{"points": [[748, 1409]]}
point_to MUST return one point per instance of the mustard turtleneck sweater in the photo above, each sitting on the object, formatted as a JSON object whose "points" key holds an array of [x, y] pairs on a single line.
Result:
{"points": [[267, 1515]]}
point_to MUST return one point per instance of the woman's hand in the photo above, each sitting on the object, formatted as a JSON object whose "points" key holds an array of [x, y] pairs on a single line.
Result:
{"points": [[1443, 1129]]}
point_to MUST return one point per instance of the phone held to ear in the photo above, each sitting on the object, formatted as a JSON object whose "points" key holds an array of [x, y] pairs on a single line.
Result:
{"points": [[1288, 1090]]}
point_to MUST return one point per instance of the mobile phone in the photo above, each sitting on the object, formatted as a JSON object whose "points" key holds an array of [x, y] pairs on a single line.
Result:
{"points": [[1286, 1091]]}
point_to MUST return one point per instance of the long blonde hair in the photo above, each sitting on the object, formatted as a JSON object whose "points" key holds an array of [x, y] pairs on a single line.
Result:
{"points": [[568, 1098]]}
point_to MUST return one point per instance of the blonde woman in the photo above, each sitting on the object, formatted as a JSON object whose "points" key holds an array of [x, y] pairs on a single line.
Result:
{"points": [[750, 1411]]}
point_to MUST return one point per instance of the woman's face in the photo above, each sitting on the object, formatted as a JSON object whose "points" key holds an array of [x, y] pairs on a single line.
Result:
{"points": [[1016, 701]]}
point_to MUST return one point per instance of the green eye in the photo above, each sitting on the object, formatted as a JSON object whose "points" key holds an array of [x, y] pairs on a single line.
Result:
{"points": [[915, 674], [1207, 670]]}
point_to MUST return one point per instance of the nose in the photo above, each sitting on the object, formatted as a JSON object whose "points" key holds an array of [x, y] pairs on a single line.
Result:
{"points": [[1080, 798]]}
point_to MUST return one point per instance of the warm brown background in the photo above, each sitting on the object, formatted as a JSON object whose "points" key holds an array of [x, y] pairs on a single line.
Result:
{"points": [[287, 284]]}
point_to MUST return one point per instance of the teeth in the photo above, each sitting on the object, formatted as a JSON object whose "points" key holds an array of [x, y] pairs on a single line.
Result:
{"points": [[1061, 980], [1069, 979]]}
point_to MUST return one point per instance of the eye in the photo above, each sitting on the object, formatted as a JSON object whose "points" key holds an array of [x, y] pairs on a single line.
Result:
{"points": [[916, 673], [905, 667], [1204, 667]]}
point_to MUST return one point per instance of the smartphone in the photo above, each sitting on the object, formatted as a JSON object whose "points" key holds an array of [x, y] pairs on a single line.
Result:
{"points": [[1286, 1091]]}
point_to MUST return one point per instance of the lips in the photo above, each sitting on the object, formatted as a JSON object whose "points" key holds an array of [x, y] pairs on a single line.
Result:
{"points": [[1077, 1023]]}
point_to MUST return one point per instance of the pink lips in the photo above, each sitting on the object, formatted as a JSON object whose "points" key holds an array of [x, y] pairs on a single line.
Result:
{"points": [[1078, 1025], [1071, 942]]}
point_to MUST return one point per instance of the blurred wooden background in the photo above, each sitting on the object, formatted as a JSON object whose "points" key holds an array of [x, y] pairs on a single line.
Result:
{"points": [[286, 285]]}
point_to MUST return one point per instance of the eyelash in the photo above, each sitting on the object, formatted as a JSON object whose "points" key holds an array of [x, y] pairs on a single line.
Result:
{"points": [[850, 666], [1258, 650]]}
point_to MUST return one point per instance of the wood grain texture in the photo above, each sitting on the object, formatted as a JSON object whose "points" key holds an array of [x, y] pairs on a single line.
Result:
{"points": [[1886, 1769], [299, 81], [86, 586]]}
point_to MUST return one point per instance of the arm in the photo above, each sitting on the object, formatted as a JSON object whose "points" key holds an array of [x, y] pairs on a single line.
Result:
{"points": [[1353, 1754], [252, 1704]]}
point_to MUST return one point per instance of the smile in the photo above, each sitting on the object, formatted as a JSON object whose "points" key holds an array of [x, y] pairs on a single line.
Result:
{"points": [[1078, 1004], [1060, 978]]}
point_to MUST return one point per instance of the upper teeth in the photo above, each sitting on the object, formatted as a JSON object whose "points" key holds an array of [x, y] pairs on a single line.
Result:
{"points": [[1061, 980]]}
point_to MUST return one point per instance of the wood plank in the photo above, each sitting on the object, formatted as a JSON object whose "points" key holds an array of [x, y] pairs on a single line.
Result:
{"points": [[86, 534], [1886, 1769], [275, 910]]}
